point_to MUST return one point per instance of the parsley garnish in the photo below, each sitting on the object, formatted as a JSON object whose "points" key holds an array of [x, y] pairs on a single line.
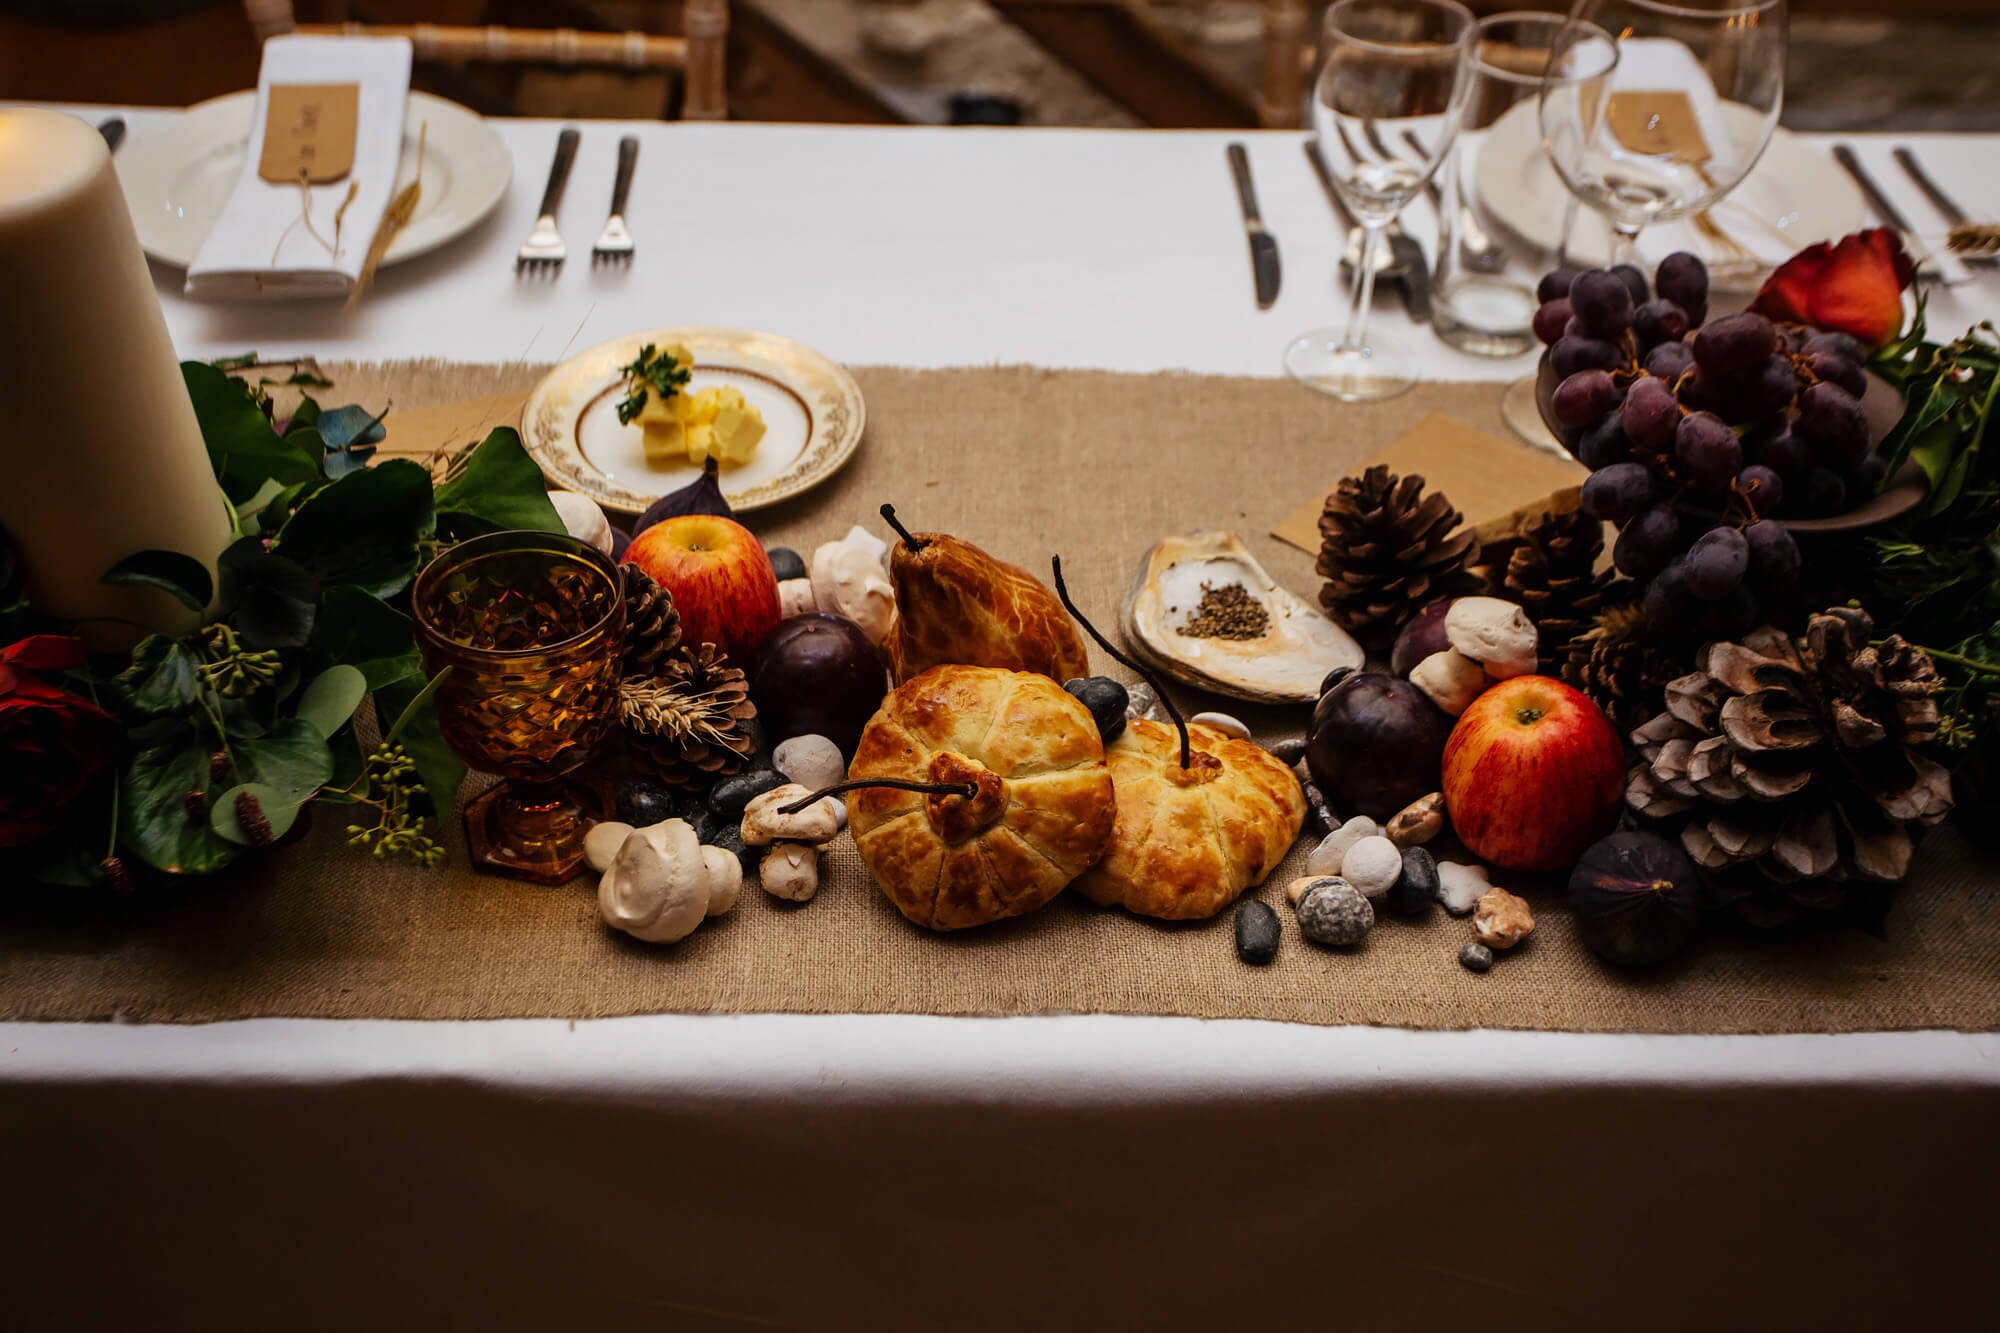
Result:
{"points": [[657, 371]]}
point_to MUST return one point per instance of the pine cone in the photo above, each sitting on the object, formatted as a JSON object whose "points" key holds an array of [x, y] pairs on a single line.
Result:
{"points": [[1387, 550], [693, 719], [1552, 572], [1618, 663], [652, 622], [1797, 767]]}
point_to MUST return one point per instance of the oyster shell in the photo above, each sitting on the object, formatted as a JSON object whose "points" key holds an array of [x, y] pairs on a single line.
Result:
{"points": [[1284, 664]]}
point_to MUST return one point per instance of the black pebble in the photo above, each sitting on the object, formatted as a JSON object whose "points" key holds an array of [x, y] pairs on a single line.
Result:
{"points": [[730, 838], [643, 804], [732, 794], [1322, 817], [787, 563], [1256, 932], [1475, 957], [1106, 699], [1416, 890], [1288, 752], [1334, 677], [707, 824]]}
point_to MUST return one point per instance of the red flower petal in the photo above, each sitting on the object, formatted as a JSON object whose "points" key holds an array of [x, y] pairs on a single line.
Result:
{"points": [[45, 652], [1861, 291], [1786, 295]]}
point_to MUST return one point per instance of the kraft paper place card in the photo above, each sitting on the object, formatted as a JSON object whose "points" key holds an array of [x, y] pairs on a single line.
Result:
{"points": [[1658, 124], [309, 132], [1488, 478]]}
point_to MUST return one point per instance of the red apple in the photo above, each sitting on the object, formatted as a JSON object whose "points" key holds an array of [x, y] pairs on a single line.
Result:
{"points": [[1533, 774], [719, 576]]}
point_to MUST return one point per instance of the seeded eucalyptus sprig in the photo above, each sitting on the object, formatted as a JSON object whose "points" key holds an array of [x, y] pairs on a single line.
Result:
{"points": [[654, 371]]}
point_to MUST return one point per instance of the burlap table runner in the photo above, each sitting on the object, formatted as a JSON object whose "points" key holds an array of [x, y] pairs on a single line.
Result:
{"points": [[1024, 462]]}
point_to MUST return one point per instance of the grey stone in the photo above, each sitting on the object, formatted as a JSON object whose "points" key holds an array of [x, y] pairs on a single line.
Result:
{"points": [[1257, 932], [1475, 957], [1413, 894], [1335, 913]]}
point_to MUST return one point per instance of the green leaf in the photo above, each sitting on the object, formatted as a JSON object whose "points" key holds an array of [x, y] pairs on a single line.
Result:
{"points": [[364, 631], [250, 508], [242, 448], [332, 698], [153, 816], [304, 417], [498, 488], [160, 680], [413, 709], [272, 601], [294, 759], [363, 530], [421, 734], [181, 577], [278, 812]]}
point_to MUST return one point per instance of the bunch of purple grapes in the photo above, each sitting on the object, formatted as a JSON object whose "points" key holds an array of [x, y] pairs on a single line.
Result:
{"points": [[1698, 434]]}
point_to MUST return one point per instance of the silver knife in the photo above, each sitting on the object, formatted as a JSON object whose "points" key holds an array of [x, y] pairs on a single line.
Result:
{"points": [[113, 131], [1263, 245], [1946, 206]]}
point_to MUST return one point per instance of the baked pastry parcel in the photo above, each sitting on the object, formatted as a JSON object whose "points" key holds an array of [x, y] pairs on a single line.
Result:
{"points": [[957, 604], [1188, 841], [1042, 815]]}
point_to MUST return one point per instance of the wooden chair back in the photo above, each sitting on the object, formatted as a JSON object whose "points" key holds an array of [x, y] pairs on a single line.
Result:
{"points": [[698, 56]]}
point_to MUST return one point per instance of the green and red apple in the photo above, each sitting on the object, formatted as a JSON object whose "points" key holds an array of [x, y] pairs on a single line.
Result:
{"points": [[1533, 774], [719, 576]]}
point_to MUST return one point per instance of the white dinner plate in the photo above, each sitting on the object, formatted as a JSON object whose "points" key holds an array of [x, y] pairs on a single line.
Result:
{"points": [[177, 180], [812, 408], [1794, 196]]}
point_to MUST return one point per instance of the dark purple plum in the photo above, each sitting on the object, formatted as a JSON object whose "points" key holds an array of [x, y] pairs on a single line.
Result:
{"points": [[1375, 745], [818, 675]]}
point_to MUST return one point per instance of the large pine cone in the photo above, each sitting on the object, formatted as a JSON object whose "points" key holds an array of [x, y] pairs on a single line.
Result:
{"points": [[1552, 572], [1387, 550], [652, 622], [1797, 768], [693, 720]]}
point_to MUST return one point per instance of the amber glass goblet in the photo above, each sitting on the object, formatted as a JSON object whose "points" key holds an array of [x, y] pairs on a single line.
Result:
{"points": [[532, 625]]}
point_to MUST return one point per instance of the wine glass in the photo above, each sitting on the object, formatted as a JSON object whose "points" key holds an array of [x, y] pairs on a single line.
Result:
{"points": [[531, 626], [1656, 109], [1384, 109]]}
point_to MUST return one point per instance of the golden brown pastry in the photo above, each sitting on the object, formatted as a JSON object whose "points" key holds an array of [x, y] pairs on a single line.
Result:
{"points": [[1187, 842], [1042, 815], [955, 603]]}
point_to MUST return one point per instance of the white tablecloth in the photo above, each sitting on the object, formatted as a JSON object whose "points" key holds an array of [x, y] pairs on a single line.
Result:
{"points": [[885, 1172]]}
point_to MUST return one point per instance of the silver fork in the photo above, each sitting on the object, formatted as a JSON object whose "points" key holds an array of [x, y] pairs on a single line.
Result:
{"points": [[614, 243], [543, 251]]}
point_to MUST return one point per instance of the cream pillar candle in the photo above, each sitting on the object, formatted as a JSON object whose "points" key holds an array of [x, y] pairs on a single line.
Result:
{"points": [[100, 455]]}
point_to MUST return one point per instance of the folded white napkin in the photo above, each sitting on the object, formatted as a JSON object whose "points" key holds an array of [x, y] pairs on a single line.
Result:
{"points": [[259, 248]]}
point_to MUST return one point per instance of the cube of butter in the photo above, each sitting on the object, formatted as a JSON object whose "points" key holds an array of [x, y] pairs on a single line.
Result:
{"points": [[700, 443], [738, 429], [665, 439]]}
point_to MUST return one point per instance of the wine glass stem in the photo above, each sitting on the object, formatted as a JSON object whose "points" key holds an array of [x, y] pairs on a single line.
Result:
{"points": [[1625, 250], [1356, 337]]}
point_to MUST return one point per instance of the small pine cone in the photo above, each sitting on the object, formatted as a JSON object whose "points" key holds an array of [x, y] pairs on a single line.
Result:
{"points": [[250, 817], [1552, 572], [1621, 665], [692, 722], [652, 622], [117, 876], [1387, 550]]}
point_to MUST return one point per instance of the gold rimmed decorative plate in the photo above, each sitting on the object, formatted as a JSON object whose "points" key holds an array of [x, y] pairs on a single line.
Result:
{"points": [[813, 415]]}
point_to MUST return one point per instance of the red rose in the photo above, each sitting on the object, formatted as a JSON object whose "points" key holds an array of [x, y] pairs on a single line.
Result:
{"points": [[1854, 287], [52, 743]]}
